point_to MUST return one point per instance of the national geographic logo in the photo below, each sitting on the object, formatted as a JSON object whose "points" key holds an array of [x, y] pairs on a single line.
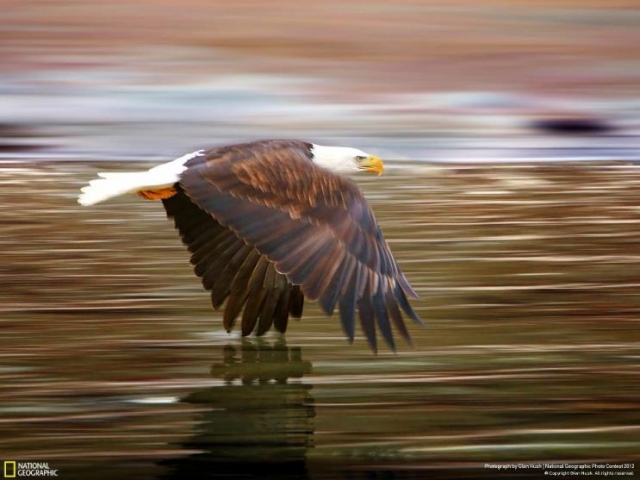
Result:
{"points": [[9, 470], [13, 469]]}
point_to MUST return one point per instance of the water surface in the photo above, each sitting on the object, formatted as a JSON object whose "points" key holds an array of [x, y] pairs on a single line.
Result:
{"points": [[112, 362]]}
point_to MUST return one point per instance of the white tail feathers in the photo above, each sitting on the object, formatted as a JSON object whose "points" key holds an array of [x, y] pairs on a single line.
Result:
{"points": [[111, 185]]}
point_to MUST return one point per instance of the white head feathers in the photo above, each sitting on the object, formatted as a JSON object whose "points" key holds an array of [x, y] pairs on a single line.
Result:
{"points": [[342, 159]]}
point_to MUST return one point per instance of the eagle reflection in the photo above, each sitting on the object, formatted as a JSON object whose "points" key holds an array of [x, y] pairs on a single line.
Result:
{"points": [[260, 424]]}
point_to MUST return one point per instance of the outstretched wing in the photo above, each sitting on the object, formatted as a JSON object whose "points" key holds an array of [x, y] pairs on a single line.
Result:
{"points": [[230, 268], [315, 227]]}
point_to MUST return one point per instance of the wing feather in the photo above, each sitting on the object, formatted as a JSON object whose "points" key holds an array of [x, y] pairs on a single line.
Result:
{"points": [[283, 288], [382, 316], [252, 310], [367, 319], [281, 314], [296, 302], [223, 281], [239, 289], [396, 316], [209, 265], [349, 299]]}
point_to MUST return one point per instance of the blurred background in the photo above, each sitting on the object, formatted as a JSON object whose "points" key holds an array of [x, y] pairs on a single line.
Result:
{"points": [[510, 131], [455, 80]]}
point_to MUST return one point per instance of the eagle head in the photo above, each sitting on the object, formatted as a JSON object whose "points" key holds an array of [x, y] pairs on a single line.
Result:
{"points": [[345, 160]]}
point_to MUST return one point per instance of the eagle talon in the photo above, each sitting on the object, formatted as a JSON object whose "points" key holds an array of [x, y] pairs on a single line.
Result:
{"points": [[158, 194]]}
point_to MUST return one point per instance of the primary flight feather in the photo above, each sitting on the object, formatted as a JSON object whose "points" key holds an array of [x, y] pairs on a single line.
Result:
{"points": [[269, 223]]}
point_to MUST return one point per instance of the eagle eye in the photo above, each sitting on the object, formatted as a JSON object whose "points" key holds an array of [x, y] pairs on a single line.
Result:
{"points": [[360, 158]]}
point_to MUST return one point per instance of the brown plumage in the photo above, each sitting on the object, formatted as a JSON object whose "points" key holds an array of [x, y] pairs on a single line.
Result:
{"points": [[267, 226]]}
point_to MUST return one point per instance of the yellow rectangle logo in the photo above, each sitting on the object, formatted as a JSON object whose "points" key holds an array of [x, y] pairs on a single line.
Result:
{"points": [[9, 469]]}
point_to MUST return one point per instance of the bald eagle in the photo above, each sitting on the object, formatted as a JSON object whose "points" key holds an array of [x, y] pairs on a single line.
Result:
{"points": [[271, 222]]}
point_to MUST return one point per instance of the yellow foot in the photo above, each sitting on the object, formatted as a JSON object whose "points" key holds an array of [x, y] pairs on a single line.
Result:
{"points": [[157, 194]]}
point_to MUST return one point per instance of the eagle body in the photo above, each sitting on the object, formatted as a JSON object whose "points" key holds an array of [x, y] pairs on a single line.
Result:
{"points": [[271, 222]]}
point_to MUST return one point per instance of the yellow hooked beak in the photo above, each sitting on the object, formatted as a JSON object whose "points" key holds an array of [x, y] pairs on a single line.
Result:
{"points": [[372, 164]]}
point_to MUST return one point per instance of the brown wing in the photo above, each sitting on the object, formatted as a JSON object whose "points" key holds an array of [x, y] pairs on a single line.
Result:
{"points": [[231, 269], [313, 226]]}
